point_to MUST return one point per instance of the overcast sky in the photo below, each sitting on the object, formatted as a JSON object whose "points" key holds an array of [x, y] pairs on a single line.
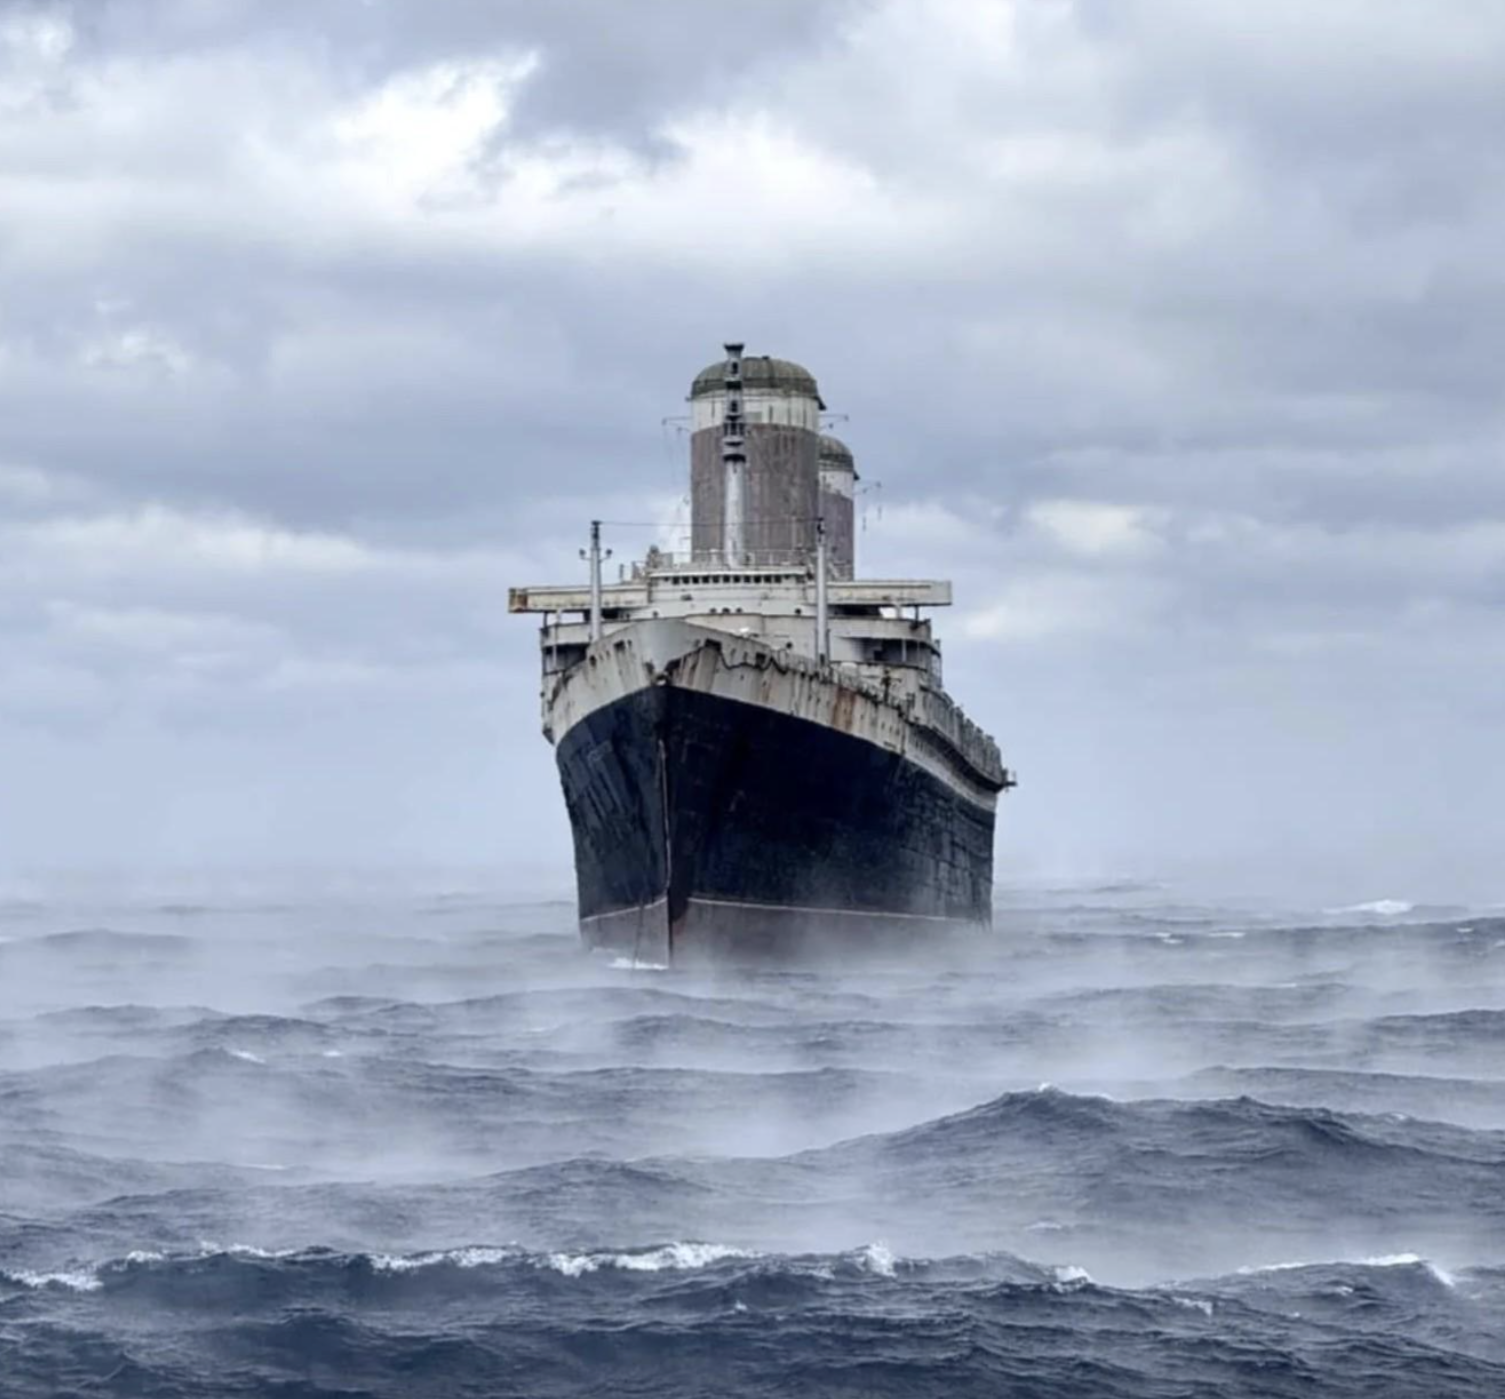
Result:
{"points": [[1173, 329]]}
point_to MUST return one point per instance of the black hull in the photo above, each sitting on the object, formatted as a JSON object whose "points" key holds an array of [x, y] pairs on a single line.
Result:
{"points": [[711, 829]]}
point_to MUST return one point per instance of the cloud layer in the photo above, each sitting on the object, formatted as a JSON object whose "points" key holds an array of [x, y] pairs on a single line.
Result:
{"points": [[1171, 329]]}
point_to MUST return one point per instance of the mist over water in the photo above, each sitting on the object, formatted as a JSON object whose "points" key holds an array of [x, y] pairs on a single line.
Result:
{"points": [[403, 1140]]}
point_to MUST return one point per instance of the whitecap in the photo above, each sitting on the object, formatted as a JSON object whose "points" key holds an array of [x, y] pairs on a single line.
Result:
{"points": [[246, 1055], [74, 1280], [1194, 1304], [1250, 1269], [472, 1257], [877, 1258], [1068, 1275], [1410, 1260], [671, 1257], [680, 1256], [88, 1279], [1388, 1260], [209, 1249], [1385, 908]]}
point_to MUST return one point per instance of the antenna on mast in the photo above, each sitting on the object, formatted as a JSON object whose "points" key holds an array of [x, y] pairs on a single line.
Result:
{"points": [[734, 460]]}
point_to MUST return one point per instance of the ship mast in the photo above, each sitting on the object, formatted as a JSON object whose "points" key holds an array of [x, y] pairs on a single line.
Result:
{"points": [[595, 595], [734, 461], [822, 605]]}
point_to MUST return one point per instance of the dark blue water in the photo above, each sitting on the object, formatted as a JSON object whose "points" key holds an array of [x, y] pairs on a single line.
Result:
{"points": [[397, 1144]]}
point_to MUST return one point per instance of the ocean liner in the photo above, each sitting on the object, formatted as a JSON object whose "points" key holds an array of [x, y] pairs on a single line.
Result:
{"points": [[758, 756]]}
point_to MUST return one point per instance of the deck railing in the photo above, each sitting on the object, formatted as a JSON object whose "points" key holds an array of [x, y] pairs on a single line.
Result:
{"points": [[698, 560]]}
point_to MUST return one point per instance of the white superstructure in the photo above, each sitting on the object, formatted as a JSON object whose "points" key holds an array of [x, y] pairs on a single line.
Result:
{"points": [[879, 645]]}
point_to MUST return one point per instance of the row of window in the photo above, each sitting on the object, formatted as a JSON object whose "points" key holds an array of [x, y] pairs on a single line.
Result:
{"points": [[704, 579]]}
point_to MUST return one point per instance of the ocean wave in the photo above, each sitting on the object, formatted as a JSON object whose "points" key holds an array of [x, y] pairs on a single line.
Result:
{"points": [[282, 1033], [1158, 1181], [874, 1260], [1207, 1129], [69, 1280], [129, 1018], [238, 1274], [667, 1257], [670, 1257], [694, 1316], [104, 941], [1477, 1103], [1391, 1260], [505, 1160], [472, 1256], [1069, 1274], [1204, 1305]]}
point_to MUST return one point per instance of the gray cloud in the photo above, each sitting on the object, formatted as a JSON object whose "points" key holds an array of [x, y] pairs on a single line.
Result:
{"points": [[1171, 329], [606, 68]]}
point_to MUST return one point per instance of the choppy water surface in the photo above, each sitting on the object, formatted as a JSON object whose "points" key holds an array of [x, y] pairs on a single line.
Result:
{"points": [[389, 1145]]}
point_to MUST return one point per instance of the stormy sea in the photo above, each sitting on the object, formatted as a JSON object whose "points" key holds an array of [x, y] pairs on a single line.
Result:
{"points": [[388, 1140]]}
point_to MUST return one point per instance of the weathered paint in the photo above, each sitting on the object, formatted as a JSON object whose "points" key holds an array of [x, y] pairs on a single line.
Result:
{"points": [[924, 728], [706, 827], [762, 407], [779, 496]]}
